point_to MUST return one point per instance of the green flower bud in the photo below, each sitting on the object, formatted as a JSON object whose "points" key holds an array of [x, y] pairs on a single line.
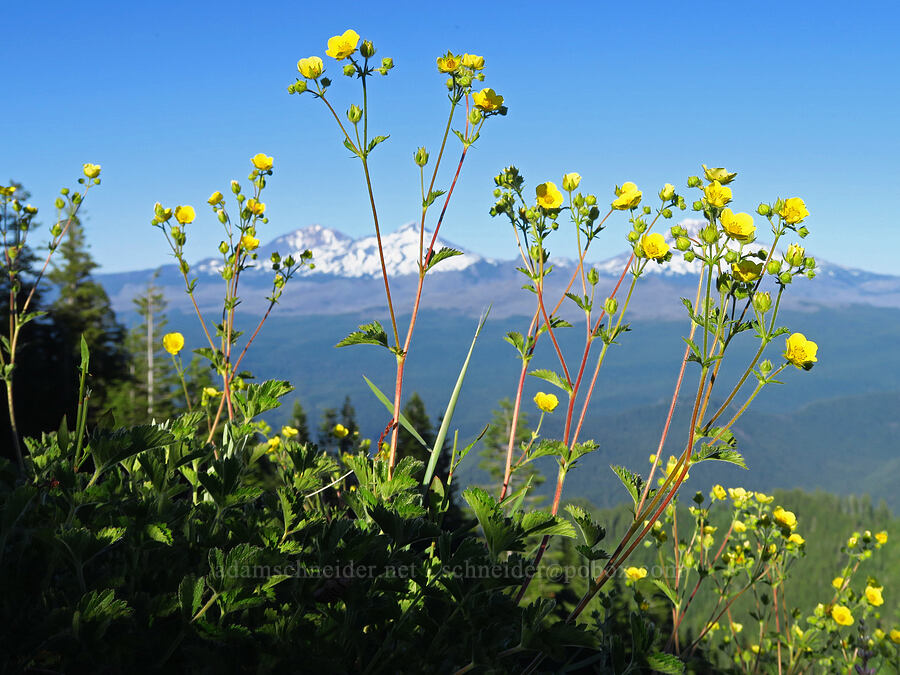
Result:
{"points": [[578, 201], [766, 367], [326, 82], [709, 234], [762, 302], [299, 86], [590, 200], [220, 214], [611, 306], [185, 268], [56, 230], [785, 278], [731, 256], [279, 281], [449, 83], [809, 263], [682, 243], [593, 276], [633, 236], [421, 158], [367, 49], [803, 232], [354, 114], [64, 192], [773, 267], [639, 225], [235, 187], [275, 258], [647, 210], [689, 256], [667, 213], [694, 181], [387, 63], [349, 70], [59, 203], [697, 206], [764, 209], [474, 116], [223, 247]]}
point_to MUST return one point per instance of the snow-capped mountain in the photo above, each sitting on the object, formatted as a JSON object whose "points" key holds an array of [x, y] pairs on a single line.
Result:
{"points": [[347, 279], [336, 254]]}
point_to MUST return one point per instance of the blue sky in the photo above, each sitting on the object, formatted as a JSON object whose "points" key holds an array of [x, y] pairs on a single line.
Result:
{"points": [[172, 99]]}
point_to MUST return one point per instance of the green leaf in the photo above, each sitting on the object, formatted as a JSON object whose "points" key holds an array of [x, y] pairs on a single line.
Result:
{"points": [[719, 453], [582, 302], [552, 378], [668, 592], [591, 532], [665, 663], [632, 481], [581, 449], [451, 405], [160, 532], [548, 447], [541, 522], [500, 533], [368, 334], [350, 147], [405, 423], [375, 141], [85, 354], [434, 194], [260, 398], [443, 254]]}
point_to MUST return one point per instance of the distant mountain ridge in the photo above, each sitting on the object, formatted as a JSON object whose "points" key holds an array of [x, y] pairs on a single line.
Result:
{"points": [[347, 278]]}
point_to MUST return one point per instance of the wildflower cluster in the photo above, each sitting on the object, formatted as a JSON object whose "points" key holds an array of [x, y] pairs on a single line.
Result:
{"points": [[238, 252]]}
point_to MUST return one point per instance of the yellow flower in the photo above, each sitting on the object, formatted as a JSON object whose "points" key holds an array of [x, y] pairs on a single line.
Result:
{"points": [[667, 192], [879, 634], [718, 174], [571, 181], [342, 46], [472, 61], [738, 225], [719, 492], [793, 211], [837, 582], [754, 649], [738, 494], [548, 195], [262, 161], [91, 170], [842, 615], [289, 432], [763, 498], [785, 518], [627, 197], [215, 198], [487, 99], [654, 245], [737, 627], [257, 208], [173, 342], [448, 63], [249, 243], [340, 431], [311, 67], [184, 214], [635, 573], [797, 631], [273, 443], [739, 526], [546, 402], [895, 636], [881, 537], [873, 596], [746, 270], [796, 539], [801, 352], [717, 194]]}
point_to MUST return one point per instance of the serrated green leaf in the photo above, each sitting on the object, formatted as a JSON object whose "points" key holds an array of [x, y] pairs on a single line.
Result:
{"points": [[719, 453], [160, 532], [552, 378], [668, 592], [375, 141], [368, 334], [669, 664], [632, 481], [443, 254]]}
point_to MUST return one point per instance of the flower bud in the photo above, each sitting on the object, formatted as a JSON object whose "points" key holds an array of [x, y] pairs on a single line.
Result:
{"points": [[773, 267], [682, 243], [785, 278], [349, 70], [762, 302], [220, 214], [633, 236], [709, 234], [354, 114], [590, 200], [764, 209], [667, 213], [279, 281], [59, 203], [474, 116], [611, 306], [809, 263], [697, 206], [765, 367], [571, 181], [694, 181], [367, 49], [235, 187], [387, 63], [731, 256], [667, 192], [326, 82], [56, 230], [578, 201], [795, 255], [689, 256], [593, 276], [227, 273], [299, 87]]}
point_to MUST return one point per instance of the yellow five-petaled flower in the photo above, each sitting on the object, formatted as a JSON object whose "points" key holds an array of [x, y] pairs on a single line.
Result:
{"points": [[784, 518], [173, 342], [746, 270], [627, 197], [311, 67], [654, 245], [184, 214], [546, 402], [91, 170], [801, 352], [873, 596], [342, 46], [793, 210], [548, 195], [448, 63], [635, 573], [738, 225], [249, 242], [842, 615], [256, 207], [487, 99], [262, 161], [717, 194]]}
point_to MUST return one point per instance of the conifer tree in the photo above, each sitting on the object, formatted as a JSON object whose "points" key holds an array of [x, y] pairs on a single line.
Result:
{"points": [[298, 421], [83, 308], [495, 444]]}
